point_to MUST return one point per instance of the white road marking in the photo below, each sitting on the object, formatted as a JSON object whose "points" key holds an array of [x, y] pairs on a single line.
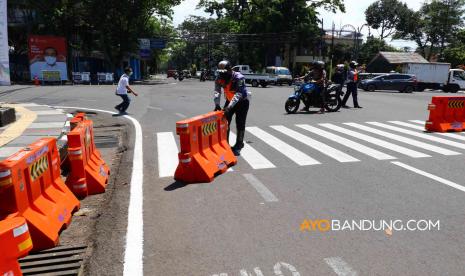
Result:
{"points": [[278, 271], [449, 135], [255, 159], [292, 153], [420, 135], [134, 250], [181, 115], [261, 188], [167, 154], [406, 140], [257, 271], [317, 145], [155, 108], [49, 112], [431, 176], [376, 141], [340, 267], [418, 122], [221, 274], [348, 143]]}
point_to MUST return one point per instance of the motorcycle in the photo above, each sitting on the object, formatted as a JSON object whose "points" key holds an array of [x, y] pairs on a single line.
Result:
{"points": [[181, 76], [307, 94]]}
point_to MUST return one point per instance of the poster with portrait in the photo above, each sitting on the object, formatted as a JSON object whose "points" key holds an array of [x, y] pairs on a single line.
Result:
{"points": [[47, 53], [4, 49]]}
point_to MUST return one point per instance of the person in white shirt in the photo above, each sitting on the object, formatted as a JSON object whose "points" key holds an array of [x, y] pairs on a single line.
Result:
{"points": [[123, 89]]}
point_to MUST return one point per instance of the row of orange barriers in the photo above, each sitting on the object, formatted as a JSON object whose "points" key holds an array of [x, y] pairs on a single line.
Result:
{"points": [[35, 203]]}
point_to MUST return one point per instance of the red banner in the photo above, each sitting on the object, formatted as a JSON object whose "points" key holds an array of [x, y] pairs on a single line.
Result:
{"points": [[47, 53]]}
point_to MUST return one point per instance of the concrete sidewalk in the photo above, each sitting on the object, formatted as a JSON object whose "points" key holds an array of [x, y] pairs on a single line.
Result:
{"points": [[33, 122]]}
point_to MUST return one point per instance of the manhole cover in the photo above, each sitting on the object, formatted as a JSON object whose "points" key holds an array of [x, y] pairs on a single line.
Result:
{"points": [[62, 260]]}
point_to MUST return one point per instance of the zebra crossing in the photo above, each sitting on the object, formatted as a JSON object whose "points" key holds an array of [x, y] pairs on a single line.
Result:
{"points": [[310, 145]]}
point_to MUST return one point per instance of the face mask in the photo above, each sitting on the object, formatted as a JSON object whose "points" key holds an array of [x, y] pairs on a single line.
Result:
{"points": [[50, 60], [130, 73]]}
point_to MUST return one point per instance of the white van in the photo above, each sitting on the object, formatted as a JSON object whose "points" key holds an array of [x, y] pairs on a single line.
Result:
{"points": [[282, 74]]}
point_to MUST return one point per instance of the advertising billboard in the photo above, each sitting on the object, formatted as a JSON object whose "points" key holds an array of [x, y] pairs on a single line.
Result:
{"points": [[47, 53], [4, 49]]}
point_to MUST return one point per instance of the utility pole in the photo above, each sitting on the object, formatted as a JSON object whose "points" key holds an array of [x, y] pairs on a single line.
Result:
{"points": [[332, 51]]}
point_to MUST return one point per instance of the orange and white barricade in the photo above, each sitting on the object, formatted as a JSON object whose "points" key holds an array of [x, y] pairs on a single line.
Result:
{"points": [[89, 173], [446, 114], [15, 242], [205, 151], [31, 187]]}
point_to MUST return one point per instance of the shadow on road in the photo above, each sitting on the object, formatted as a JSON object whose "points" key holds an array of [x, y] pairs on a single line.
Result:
{"points": [[174, 186]]}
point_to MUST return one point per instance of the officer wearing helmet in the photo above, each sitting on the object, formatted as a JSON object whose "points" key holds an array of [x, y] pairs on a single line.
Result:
{"points": [[317, 75], [237, 100], [352, 80]]}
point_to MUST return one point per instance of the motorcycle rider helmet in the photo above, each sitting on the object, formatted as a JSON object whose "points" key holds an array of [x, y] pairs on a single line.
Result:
{"points": [[224, 70], [353, 64], [318, 65]]}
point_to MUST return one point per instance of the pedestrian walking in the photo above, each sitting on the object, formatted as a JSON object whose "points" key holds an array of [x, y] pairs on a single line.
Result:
{"points": [[123, 89], [352, 80]]}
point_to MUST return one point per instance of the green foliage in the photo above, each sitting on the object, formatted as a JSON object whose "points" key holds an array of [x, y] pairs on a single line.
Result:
{"points": [[386, 16], [372, 47], [434, 26], [455, 53]]}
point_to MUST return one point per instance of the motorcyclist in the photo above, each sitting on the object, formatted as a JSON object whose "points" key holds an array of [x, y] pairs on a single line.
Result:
{"points": [[237, 100], [317, 75]]}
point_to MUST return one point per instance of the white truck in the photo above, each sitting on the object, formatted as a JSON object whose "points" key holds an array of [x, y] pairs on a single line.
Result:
{"points": [[436, 76], [254, 79]]}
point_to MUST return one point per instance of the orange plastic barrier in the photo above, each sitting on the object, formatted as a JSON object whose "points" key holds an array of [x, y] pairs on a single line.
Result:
{"points": [[205, 151], [15, 242], [79, 117], [31, 187], [89, 173], [446, 114]]}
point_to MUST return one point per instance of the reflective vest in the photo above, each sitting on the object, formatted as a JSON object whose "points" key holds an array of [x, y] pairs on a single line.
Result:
{"points": [[228, 91], [355, 75]]}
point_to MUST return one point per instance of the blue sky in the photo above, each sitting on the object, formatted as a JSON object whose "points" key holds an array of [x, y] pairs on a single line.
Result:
{"points": [[354, 15]]}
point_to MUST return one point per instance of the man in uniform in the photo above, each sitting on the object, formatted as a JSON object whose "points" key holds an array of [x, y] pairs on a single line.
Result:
{"points": [[237, 100], [352, 81]]}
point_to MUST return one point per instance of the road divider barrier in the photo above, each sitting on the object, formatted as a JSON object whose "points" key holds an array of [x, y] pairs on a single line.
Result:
{"points": [[88, 171], [446, 114], [16, 243], [205, 151], [31, 187], [79, 117]]}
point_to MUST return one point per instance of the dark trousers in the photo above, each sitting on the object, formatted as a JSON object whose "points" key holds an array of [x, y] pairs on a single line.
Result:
{"points": [[351, 89], [125, 104], [240, 110]]}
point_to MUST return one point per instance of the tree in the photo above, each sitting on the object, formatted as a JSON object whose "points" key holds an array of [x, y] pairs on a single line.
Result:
{"points": [[455, 53], [434, 26], [372, 47], [386, 16]]}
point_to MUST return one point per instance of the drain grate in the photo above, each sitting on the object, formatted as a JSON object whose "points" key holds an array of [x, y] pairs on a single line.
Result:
{"points": [[62, 260]]}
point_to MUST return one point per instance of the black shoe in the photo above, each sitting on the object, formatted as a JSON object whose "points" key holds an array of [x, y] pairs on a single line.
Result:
{"points": [[345, 106], [237, 152], [118, 108], [358, 106]]}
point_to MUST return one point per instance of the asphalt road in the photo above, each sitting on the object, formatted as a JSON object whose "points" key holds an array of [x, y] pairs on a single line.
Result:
{"points": [[248, 221]]}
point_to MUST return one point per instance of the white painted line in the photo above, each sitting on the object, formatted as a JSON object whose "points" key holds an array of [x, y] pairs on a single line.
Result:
{"points": [[167, 154], [445, 134], [317, 145], [340, 267], [292, 153], [155, 108], [221, 274], [406, 140], [181, 115], [48, 112], [431, 176], [31, 104], [253, 157], [418, 122], [278, 269], [257, 271], [420, 135], [376, 141], [134, 252], [348, 143], [7, 151], [261, 188], [47, 125]]}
